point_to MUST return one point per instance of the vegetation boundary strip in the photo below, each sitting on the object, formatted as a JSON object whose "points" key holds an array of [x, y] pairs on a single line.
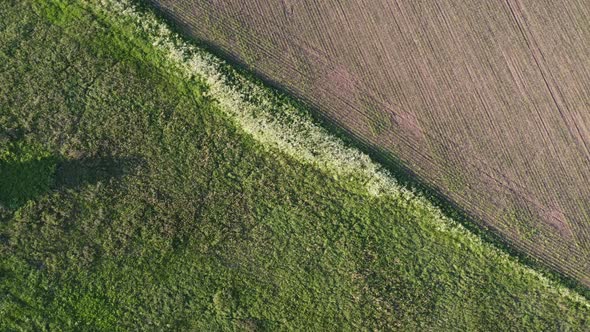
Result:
{"points": [[278, 124]]}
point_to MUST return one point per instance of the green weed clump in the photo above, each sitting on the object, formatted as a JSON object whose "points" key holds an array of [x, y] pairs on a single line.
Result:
{"points": [[186, 197]]}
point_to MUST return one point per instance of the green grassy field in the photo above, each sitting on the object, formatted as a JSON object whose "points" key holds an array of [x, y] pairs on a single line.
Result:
{"points": [[134, 197]]}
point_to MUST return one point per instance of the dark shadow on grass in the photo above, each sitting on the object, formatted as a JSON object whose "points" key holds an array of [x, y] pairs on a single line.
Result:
{"points": [[22, 181], [74, 173]]}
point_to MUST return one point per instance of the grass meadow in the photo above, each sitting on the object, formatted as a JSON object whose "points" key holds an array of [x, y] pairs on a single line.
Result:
{"points": [[145, 185]]}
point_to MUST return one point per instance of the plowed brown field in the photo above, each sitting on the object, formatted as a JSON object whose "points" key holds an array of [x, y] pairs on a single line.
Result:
{"points": [[488, 101]]}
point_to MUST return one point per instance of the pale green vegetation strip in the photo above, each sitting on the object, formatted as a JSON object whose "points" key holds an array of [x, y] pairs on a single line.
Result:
{"points": [[280, 125]]}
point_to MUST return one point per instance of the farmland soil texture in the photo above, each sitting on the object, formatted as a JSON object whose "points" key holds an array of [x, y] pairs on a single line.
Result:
{"points": [[487, 102]]}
